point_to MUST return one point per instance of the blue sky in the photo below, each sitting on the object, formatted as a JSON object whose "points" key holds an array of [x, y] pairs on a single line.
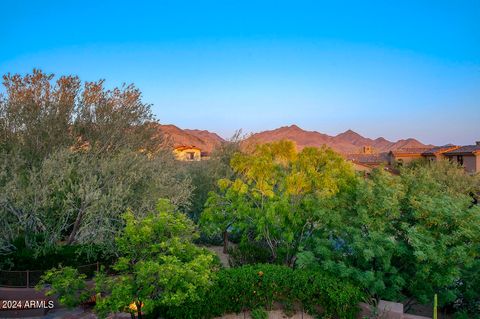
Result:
{"points": [[382, 68]]}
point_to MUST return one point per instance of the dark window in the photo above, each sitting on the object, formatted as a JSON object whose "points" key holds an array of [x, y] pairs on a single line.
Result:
{"points": [[400, 162], [460, 159], [190, 156]]}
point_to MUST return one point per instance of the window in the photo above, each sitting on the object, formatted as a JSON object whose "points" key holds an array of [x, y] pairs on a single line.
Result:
{"points": [[460, 159], [400, 162], [190, 156]]}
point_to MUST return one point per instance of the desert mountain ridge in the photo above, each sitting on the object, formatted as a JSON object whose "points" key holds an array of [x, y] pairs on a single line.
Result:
{"points": [[348, 142]]}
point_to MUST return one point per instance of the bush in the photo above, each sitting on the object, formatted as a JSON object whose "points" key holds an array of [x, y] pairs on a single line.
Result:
{"points": [[259, 313], [248, 253], [24, 258], [260, 286]]}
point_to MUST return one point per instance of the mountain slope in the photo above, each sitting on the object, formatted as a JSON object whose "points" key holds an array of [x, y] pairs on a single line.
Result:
{"points": [[176, 136], [346, 142]]}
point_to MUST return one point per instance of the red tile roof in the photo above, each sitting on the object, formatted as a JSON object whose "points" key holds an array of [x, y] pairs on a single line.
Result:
{"points": [[371, 159], [411, 151], [465, 150], [440, 149], [186, 147]]}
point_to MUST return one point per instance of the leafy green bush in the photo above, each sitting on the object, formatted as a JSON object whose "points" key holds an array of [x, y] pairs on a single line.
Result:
{"points": [[248, 253], [24, 258], [262, 285], [259, 313]]}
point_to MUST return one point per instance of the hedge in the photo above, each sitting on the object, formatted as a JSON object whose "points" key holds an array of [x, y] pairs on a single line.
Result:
{"points": [[255, 286]]}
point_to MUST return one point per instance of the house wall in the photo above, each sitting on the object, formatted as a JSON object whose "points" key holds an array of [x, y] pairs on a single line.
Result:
{"points": [[432, 157], [478, 163], [405, 159], [470, 163], [183, 154]]}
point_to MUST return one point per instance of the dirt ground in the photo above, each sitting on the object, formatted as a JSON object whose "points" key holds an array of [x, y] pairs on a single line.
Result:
{"points": [[218, 250]]}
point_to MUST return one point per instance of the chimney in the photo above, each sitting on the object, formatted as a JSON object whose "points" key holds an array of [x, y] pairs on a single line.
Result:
{"points": [[367, 150]]}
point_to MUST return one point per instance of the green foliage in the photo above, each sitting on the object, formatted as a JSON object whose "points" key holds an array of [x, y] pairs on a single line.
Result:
{"points": [[78, 198], [404, 237], [24, 258], [362, 244], [248, 253], [205, 174], [439, 230], [281, 195], [259, 313], [260, 286], [468, 299], [70, 162], [158, 265], [67, 283], [39, 115]]}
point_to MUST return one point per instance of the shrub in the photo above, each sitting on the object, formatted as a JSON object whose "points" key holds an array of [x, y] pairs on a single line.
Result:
{"points": [[24, 258], [262, 285], [259, 313], [248, 253]]}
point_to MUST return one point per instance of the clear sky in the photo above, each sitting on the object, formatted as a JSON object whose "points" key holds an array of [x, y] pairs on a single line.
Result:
{"points": [[382, 68]]}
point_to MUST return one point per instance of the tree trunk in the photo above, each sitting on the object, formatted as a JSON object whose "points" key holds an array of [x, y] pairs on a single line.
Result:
{"points": [[76, 226], [139, 310], [225, 242]]}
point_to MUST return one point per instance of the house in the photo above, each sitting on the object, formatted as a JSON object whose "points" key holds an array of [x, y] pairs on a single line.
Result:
{"points": [[406, 155], [187, 153], [367, 160], [467, 156], [438, 152]]}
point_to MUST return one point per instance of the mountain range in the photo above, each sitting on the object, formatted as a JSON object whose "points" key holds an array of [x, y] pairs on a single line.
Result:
{"points": [[348, 142]]}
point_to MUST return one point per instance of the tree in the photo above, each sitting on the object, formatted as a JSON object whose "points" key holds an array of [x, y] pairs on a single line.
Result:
{"points": [[361, 241], [280, 195], [67, 283], [440, 228], [78, 197], [159, 265], [205, 174], [404, 237], [39, 116]]}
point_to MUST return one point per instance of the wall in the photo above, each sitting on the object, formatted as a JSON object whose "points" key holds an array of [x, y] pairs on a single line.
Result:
{"points": [[470, 163]]}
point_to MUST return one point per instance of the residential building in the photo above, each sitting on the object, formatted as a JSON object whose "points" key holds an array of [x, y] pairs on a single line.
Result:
{"points": [[438, 152], [187, 153], [467, 156], [406, 155]]}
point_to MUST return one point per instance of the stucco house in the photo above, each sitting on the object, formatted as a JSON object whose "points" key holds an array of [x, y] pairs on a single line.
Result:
{"points": [[438, 152], [467, 156], [406, 155], [368, 160], [187, 153]]}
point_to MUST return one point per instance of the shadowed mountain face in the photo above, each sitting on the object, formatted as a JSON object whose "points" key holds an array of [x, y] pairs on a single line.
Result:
{"points": [[346, 142]]}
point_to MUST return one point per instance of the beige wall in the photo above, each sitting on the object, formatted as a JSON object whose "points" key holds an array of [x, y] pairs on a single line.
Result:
{"points": [[405, 159], [184, 155], [478, 163], [470, 163]]}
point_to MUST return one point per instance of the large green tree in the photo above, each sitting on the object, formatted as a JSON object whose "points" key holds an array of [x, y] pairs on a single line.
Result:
{"points": [[279, 194], [159, 266], [405, 237], [439, 229], [73, 156], [39, 115], [78, 197]]}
